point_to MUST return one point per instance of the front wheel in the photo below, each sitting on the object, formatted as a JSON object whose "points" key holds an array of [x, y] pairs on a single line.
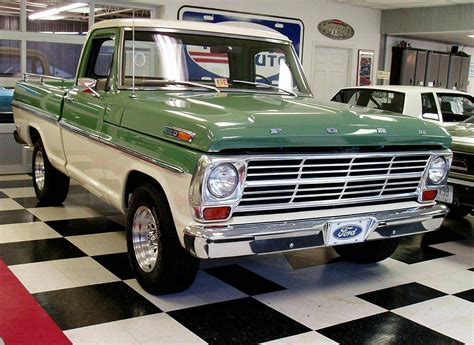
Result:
{"points": [[161, 264], [51, 186], [368, 252]]}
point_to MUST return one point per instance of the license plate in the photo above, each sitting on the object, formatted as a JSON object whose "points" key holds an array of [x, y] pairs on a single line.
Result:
{"points": [[446, 194], [347, 231]]}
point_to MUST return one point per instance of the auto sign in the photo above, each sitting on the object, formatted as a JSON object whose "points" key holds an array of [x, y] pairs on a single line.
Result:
{"points": [[335, 29]]}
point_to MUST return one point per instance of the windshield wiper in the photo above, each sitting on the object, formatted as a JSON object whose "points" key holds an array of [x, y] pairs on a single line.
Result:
{"points": [[256, 83], [190, 83]]}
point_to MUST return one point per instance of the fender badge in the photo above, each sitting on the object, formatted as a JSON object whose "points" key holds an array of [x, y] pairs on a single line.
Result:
{"points": [[180, 134], [421, 132], [331, 130], [275, 130], [382, 130]]}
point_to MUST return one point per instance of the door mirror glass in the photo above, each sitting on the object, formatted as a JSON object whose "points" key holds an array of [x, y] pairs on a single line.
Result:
{"points": [[86, 83], [431, 116]]}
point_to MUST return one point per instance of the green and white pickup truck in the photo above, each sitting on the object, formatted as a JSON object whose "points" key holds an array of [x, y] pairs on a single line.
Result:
{"points": [[208, 138]]}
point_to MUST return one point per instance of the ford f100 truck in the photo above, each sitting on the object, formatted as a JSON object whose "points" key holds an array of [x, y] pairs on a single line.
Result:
{"points": [[208, 138]]}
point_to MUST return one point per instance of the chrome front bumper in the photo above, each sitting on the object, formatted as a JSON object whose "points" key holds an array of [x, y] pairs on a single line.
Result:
{"points": [[217, 241]]}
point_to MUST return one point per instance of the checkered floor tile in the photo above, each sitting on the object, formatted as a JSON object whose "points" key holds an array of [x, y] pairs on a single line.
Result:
{"points": [[73, 261]]}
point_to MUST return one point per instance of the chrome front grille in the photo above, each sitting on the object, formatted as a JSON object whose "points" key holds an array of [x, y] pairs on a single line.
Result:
{"points": [[330, 180], [463, 163]]}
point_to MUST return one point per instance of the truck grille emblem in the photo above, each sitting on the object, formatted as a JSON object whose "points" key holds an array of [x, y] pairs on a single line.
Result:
{"points": [[331, 130]]}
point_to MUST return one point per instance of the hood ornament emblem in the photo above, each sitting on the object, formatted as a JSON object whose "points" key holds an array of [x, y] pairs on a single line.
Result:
{"points": [[331, 130], [275, 130]]}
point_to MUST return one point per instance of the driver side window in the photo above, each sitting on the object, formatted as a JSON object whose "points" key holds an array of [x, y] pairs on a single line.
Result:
{"points": [[101, 61]]}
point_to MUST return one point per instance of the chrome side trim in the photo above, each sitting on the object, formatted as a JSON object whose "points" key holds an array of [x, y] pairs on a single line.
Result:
{"points": [[143, 157], [126, 150], [218, 241], [35, 111], [6, 112]]}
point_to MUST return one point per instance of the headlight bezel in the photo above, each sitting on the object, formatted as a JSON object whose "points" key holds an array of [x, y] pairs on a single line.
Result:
{"points": [[200, 196], [425, 183], [445, 171]]}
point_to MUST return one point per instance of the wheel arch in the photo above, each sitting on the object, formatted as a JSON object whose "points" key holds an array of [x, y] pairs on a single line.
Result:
{"points": [[134, 179], [34, 135]]}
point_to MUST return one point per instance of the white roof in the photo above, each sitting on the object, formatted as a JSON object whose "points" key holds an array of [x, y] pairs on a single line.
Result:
{"points": [[408, 89], [190, 26]]}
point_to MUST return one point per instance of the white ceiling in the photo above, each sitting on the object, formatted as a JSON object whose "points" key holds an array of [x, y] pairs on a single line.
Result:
{"points": [[393, 4]]}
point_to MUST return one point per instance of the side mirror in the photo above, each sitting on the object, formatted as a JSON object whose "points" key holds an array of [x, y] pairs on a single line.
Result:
{"points": [[431, 116], [87, 85]]}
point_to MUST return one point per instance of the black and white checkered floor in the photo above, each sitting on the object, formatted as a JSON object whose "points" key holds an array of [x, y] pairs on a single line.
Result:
{"points": [[72, 260]]}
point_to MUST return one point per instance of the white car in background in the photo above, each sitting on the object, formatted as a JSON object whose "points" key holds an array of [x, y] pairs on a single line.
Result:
{"points": [[442, 106]]}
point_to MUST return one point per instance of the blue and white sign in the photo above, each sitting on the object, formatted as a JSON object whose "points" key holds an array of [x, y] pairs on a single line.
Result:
{"points": [[291, 28]]}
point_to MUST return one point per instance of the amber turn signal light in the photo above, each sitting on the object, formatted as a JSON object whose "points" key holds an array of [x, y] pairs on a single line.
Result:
{"points": [[216, 213], [429, 195]]}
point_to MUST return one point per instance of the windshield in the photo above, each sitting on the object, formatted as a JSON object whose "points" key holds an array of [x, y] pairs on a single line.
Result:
{"points": [[456, 107], [469, 120], [222, 62], [372, 98]]}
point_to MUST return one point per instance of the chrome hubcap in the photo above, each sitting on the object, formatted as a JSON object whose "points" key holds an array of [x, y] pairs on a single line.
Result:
{"points": [[39, 170], [145, 238]]}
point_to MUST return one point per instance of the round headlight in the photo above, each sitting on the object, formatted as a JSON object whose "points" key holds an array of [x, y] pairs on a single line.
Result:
{"points": [[437, 170], [223, 180]]}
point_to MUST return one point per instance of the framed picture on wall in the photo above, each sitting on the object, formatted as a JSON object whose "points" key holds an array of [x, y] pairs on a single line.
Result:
{"points": [[365, 67]]}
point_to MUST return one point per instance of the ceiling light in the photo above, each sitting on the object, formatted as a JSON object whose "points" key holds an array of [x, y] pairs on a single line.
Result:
{"points": [[54, 11], [53, 17]]}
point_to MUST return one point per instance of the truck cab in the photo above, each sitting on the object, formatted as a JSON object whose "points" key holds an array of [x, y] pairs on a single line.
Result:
{"points": [[210, 154]]}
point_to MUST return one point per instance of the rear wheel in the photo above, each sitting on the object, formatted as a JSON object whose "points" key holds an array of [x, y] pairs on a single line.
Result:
{"points": [[161, 264], [460, 211], [51, 186], [368, 252]]}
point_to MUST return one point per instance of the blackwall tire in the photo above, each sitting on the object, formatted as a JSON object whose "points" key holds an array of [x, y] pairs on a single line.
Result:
{"points": [[51, 186], [368, 252], [458, 212], [161, 264]]}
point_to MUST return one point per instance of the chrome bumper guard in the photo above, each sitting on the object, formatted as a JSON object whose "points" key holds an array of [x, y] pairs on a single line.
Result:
{"points": [[219, 241]]}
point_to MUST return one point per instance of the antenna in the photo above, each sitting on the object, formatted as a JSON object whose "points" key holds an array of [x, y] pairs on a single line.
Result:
{"points": [[133, 95]]}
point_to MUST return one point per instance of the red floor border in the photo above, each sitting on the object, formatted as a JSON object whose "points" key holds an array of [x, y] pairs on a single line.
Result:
{"points": [[22, 319]]}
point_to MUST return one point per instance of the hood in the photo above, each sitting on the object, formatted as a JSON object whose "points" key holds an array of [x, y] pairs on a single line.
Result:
{"points": [[248, 121], [463, 137]]}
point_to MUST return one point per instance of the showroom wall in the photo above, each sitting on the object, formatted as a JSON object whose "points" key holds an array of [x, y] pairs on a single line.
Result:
{"points": [[365, 21], [422, 44]]}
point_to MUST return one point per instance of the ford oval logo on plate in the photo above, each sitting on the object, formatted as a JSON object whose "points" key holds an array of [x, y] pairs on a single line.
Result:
{"points": [[347, 232]]}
